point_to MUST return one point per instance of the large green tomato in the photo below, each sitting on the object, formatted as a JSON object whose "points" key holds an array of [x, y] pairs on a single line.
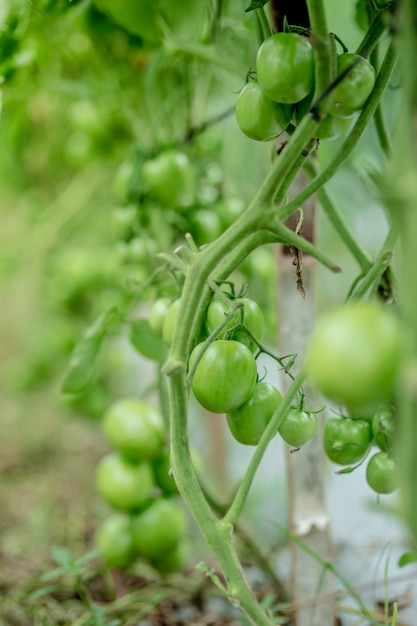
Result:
{"points": [[169, 179], [159, 528], [248, 422], [225, 375], [382, 473], [252, 318], [258, 116], [135, 428], [298, 427], [354, 354], [114, 541], [124, 484], [354, 89], [285, 68], [346, 441]]}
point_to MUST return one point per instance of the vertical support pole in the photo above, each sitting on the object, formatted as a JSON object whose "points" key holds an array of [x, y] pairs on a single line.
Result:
{"points": [[308, 517]]}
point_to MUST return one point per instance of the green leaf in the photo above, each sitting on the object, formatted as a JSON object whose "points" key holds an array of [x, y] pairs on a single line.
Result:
{"points": [[406, 558], [82, 366], [256, 4], [144, 340]]}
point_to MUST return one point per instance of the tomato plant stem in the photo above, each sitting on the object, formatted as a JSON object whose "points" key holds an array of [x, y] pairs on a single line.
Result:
{"points": [[321, 46], [338, 221], [240, 497]]}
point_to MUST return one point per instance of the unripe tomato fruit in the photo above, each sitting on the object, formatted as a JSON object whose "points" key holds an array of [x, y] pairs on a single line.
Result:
{"points": [[354, 354], [170, 321], [124, 484], [252, 318], [157, 314], [225, 375], [298, 427], [134, 428], [248, 422], [285, 69], [330, 127], [383, 428], [355, 88], [258, 116], [114, 541], [162, 467], [346, 441], [169, 179], [206, 226], [158, 528], [381, 473], [172, 560]]}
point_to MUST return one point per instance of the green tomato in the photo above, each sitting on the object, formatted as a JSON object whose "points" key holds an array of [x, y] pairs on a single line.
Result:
{"points": [[134, 428], [170, 321], [124, 484], [206, 226], [157, 314], [229, 210], [248, 422], [330, 127], [225, 376], [355, 88], [162, 472], [159, 528], [114, 541], [285, 68], [354, 354], [298, 427], [253, 320], [383, 429], [258, 116], [346, 441], [173, 560], [169, 179], [382, 473]]}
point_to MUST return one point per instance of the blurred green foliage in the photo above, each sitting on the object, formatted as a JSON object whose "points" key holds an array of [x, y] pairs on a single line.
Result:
{"points": [[85, 103]]}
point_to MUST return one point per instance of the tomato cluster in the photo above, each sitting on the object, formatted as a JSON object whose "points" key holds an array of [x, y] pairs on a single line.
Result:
{"points": [[348, 441], [224, 369], [284, 88], [148, 522], [354, 358]]}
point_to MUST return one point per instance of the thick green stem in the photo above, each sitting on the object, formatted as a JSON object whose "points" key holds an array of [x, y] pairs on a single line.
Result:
{"points": [[338, 221], [321, 46], [287, 236], [372, 35], [354, 136]]}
